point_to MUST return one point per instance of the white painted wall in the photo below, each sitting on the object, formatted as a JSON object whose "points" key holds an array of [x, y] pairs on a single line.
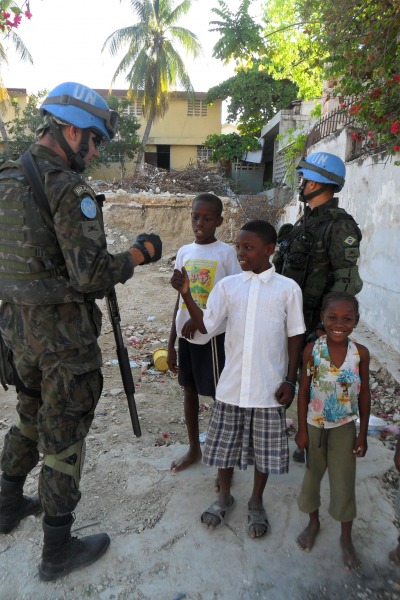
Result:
{"points": [[372, 195]]}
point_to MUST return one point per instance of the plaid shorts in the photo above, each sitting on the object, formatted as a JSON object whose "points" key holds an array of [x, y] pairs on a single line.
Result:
{"points": [[238, 437]]}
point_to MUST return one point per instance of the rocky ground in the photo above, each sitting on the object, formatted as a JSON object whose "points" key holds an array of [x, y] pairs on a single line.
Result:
{"points": [[133, 503]]}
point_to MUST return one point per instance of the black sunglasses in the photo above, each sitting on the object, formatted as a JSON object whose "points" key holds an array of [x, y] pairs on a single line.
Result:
{"points": [[97, 140]]}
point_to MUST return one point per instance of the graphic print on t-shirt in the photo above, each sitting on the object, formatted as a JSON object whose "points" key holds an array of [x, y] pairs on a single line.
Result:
{"points": [[201, 273]]}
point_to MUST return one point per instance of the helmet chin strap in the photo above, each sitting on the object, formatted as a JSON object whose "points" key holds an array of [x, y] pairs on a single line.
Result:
{"points": [[307, 197], [75, 159]]}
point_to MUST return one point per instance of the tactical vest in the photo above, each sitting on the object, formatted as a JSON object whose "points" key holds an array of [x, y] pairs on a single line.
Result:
{"points": [[31, 261], [303, 254]]}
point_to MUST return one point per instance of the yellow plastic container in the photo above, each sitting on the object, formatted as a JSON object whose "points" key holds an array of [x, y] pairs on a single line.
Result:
{"points": [[160, 359]]}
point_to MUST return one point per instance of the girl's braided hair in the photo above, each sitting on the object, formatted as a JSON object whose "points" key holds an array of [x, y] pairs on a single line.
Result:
{"points": [[335, 296]]}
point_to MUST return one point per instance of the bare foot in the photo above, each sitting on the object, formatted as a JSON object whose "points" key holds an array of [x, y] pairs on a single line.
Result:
{"points": [[350, 559], [216, 514], [307, 538], [394, 556], [185, 461], [257, 522]]}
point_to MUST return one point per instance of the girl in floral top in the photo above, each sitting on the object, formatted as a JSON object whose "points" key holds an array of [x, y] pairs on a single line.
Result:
{"points": [[334, 390]]}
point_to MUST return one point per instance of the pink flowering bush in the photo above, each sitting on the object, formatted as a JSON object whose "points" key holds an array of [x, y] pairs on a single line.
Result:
{"points": [[11, 14], [360, 45]]}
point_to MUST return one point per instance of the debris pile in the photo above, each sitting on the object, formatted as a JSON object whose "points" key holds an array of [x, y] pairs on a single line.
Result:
{"points": [[193, 179]]}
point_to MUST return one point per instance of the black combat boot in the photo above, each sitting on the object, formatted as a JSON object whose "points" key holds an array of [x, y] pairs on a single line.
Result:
{"points": [[14, 506], [63, 553]]}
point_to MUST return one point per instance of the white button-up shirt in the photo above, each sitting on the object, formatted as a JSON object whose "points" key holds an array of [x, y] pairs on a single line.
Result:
{"points": [[263, 310]]}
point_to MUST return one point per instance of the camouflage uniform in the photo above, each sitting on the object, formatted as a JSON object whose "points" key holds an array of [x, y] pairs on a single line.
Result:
{"points": [[322, 258], [49, 278]]}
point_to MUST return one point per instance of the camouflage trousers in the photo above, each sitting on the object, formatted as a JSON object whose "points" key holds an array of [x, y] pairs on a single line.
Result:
{"points": [[70, 384]]}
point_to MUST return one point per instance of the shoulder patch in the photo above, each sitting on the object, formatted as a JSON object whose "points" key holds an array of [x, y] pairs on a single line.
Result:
{"points": [[350, 240], [83, 188], [351, 253], [92, 229], [88, 207]]}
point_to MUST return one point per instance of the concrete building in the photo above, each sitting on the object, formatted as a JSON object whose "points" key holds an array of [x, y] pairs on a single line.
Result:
{"points": [[177, 138]]}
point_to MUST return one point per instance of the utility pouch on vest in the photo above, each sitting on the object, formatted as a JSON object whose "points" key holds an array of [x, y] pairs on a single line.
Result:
{"points": [[6, 365], [297, 256]]}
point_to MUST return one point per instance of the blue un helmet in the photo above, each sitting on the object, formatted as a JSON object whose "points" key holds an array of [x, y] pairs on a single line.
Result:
{"points": [[76, 104], [323, 168]]}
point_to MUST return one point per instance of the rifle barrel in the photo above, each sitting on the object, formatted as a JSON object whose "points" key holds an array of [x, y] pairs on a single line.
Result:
{"points": [[123, 360]]}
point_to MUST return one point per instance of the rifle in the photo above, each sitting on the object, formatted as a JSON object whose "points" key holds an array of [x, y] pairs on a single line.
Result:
{"points": [[122, 352], [123, 359]]}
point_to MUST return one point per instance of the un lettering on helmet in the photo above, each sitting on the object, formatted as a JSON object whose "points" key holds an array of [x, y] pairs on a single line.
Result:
{"points": [[81, 92]]}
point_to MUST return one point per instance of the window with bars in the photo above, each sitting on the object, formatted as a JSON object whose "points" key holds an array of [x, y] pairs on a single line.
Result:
{"points": [[198, 108], [134, 109], [204, 154]]}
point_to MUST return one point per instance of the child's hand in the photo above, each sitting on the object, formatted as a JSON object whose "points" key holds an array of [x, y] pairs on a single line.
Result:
{"points": [[301, 439], [360, 446], [189, 329], [285, 394], [180, 281], [172, 360]]}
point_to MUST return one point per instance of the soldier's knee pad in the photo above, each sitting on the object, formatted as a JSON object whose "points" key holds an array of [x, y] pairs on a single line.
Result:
{"points": [[75, 457], [28, 431]]}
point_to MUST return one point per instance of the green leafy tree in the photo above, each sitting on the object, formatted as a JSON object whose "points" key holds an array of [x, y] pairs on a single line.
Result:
{"points": [[239, 35], [231, 146], [152, 63], [355, 44], [254, 97], [21, 130], [291, 46]]}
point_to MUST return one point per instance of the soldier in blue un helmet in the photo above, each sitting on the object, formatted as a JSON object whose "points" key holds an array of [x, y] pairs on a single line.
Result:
{"points": [[320, 251], [54, 263]]}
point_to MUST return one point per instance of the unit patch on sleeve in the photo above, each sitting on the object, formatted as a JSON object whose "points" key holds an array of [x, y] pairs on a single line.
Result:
{"points": [[91, 229], [88, 207]]}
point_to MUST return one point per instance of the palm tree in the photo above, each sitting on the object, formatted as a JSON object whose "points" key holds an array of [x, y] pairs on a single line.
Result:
{"points": [[152, 63], [24, 55]]}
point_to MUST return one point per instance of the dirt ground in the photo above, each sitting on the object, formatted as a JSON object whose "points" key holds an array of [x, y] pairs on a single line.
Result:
{"points": [[159, 550]]}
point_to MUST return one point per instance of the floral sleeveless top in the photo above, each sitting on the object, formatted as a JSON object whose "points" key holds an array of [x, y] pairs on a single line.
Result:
{"points": [[334, 392]]}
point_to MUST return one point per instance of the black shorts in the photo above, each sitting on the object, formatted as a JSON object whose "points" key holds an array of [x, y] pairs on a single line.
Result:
{"points": [[200, 365]]}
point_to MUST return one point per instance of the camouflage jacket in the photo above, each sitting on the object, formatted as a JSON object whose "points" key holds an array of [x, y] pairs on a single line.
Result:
{"points": [[64, 259], [322, 257]]}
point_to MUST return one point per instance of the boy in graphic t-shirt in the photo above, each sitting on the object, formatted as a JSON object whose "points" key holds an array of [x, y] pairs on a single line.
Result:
{"points": [[201, 357]]}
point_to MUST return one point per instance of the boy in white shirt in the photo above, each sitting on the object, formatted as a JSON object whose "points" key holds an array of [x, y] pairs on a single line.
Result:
{"points": [[263, 339], [201, 356]]}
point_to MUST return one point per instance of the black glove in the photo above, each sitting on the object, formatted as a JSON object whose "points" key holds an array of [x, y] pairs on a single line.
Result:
{"points": [[156, 242]]}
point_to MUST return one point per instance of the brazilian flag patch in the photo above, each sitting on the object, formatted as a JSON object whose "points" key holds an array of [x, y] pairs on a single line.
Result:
{"points": [[350, 241]]}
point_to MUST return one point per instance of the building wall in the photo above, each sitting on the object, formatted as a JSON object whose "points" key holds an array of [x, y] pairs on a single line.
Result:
{"points": [[181, 156], [371, 196], [178, 128]]}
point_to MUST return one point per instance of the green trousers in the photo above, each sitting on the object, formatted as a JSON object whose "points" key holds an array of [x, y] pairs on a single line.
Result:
{"points": [[332, 450]]}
